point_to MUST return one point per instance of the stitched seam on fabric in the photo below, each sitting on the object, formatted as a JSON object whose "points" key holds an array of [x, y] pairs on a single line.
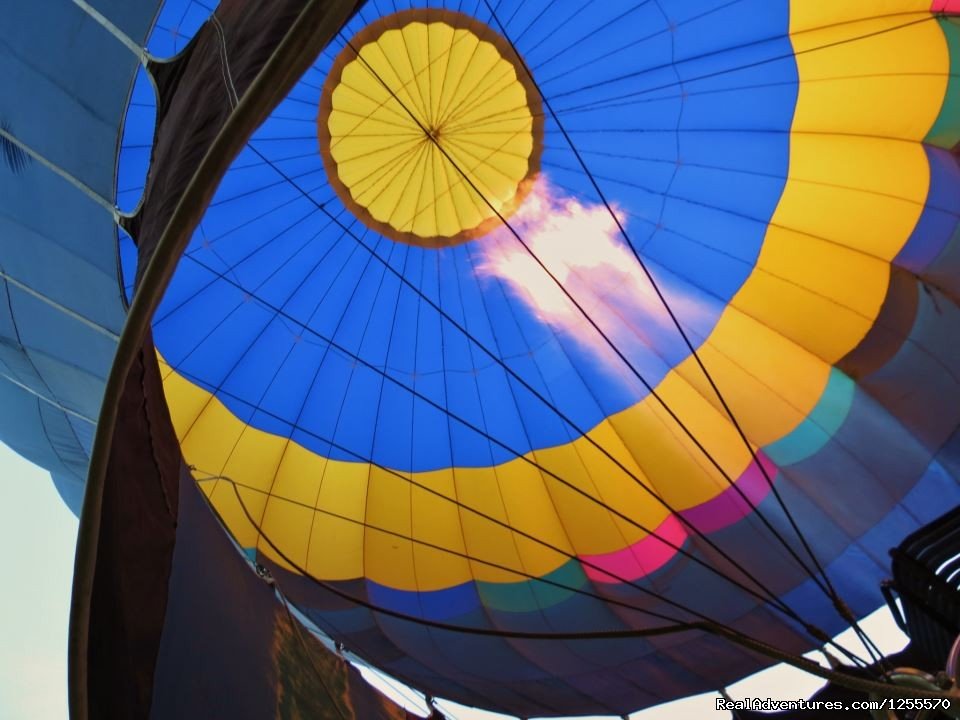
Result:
{"points": [[225, 63], [53, 446]]}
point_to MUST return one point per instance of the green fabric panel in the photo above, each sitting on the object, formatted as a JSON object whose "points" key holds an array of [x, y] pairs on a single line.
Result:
{"points": [[945, 132], [531, 595]]}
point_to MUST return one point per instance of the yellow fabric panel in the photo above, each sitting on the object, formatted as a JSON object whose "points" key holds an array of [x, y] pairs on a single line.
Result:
{"points": [[423, 221], [378, 121], [806, 15], [387, 58], [826, 264], [863, 193], [450, 64], [336, 548], [388, 558], [336, 545], [628, 490], [344, 486], [478, 488], [514, 495], [813, 320], [255, 457], [377, 127], [444, 212], [405, 198], [494, 167], [467, 206], [284, 522], [899, 178], [484, 79], [185, 400], [883, 77], [853, 182], [528, 508], [216, 432], [674, 467], [298, 473], [591, 528], [473, 65], [825, 268], [234, 504], [436, 521], [378, 182], [478, 114], [440, 35], [748, 361], [416, 49]]}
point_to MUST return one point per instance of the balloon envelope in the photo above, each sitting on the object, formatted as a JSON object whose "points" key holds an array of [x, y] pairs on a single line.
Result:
{"points": [[424, 351]]}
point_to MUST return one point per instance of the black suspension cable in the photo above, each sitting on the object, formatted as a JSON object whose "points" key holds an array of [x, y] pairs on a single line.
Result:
{"points": [[374, 253], [236, 485], [500, 523], [653, 392], [778, 602], [828, 588], [840, 605], [846, 680]]}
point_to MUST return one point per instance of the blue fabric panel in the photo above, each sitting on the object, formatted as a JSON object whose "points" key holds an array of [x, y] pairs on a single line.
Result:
{"points": [[136, 143], [54, 96], [23, 429], [924, 363], [64, 441], [176, 24], [938, 223], [132, 19], [71, 491], [66, 84], [438, 606], [860, 569]]}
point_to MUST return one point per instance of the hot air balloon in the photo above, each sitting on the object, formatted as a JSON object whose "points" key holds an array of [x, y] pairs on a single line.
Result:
{"points": [[554, 359]]}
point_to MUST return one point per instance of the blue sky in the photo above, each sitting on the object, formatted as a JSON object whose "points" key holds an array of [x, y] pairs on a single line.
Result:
{"points": [[39, 534]]}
